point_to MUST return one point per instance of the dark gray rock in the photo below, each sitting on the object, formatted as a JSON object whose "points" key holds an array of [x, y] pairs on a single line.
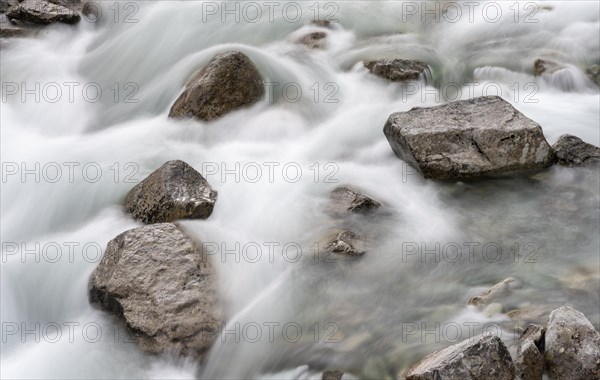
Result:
{"points": [[530, 361], [468, 138], [573, 151], [332, 375], [314, 40], [395, 69], [157, 280], [172, 192], [481, 357], [545, 66], [4, 6], [572, 346], [346, 243], [348, 198], [230, 81], [42, 12], [593, 72]]}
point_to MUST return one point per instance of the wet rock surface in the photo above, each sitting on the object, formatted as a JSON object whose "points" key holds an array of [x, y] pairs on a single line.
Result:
{"points": [[172, 192], [529, 363], [348, 198], [346, 243], [466, 139], [157, 280], [229, 82], [42, 12], [314, 40], [573, 151], [499, 290], [396, 70]]}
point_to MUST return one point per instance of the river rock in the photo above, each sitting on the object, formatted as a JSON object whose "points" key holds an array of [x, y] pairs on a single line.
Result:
{"points": [[572, 346], [4, 6], [545, 66], [230, 81], [314, 40], [529, 363], [573, 151], [346, 243], [42, 12], [395, 69], [157, 280], [172, 192], [593, 72], [501, 289], [332, 375], [348, 198], [467, 139], [481, 357]]}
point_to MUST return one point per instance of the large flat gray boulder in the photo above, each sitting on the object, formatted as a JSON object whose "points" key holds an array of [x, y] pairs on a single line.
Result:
{"points": [[172, 192], [468, 138], [481, 357], [572, 346], [157, 280], [230, 81]]}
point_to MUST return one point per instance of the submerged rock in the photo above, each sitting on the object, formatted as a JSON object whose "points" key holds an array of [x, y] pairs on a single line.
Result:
{"points": [[593, 72], [467, 139], [172, 192], [530, 362], [501, 289], [396, 70], [348, 198], [332, 375], [481, 357], [42, 12], [573, 151], [572, 346], [157, 280], [314, 40], [230, 81], [346, 243], [545, 66]]}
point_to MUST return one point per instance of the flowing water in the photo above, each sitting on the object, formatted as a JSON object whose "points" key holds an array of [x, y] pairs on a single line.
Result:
{"points": [[68, 161]]}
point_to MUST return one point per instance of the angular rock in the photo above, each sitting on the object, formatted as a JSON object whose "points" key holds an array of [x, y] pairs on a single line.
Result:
{"points": [[544, 66], [42, 12], [468, 138], [230, 81], [346, 243], [572, 346], [530, 362], [332, 375], [481, 357], [501, 289], [314, 40], [157, 280], [573, 151], [172, 192], [348, 198], [396, 70]]}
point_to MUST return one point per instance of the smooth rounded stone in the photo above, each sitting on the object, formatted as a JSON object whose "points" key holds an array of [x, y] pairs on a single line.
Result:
{"points": [[346, 243], [482, 357], [42, 12], [348, 198], [572, 346], [230, 81], [530, 361], [162, 285], [501, 289], [172, 192], [314, 40], [593, 72], [545, 66], [396, 70], [332, 375], [467, 139], [573, 151]]}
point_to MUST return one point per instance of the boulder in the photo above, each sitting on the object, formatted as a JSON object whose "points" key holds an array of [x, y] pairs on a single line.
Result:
{"points": [[545, 66], [501, 289], [481, 357], [468, 138], [42, 12], [346, 243], [332, 375], [230, 81], [573, 151], [314, 40], [397, 70], [530, 362], [348, 198], [172, 192], [572, 346], [160, 283]]}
